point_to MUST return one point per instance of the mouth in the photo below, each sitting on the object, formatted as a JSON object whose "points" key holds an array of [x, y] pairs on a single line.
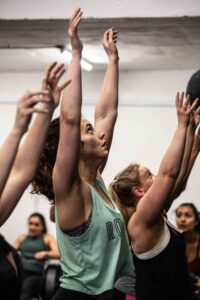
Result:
{"points": [[104, 145], [182, 226]]}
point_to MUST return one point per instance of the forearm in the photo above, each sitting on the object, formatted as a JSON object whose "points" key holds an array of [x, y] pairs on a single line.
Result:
{"points": [[108, 100], [52, 254], [7, 155], [29, 154], [171, 162], [193, 157], [180, 182], [72, 96]]}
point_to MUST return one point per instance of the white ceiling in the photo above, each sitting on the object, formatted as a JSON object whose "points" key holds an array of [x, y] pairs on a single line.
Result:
{"points": [[153, 34]]}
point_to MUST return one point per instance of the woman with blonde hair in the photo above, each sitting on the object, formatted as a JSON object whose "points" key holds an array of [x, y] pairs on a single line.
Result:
{"points": [[158, 249]]}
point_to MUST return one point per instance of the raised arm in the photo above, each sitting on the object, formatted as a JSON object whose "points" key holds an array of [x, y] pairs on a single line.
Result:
{"points": [[150, 207], [106, 107], [8, 151], [193, 156], [25, 164], [188, 157], [65, 172]]}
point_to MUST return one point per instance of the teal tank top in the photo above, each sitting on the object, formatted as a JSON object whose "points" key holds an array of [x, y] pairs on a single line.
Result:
{"points": [[29, 246], [93, 261]]}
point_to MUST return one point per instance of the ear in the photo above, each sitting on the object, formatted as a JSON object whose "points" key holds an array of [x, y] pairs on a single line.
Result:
{"points": [[137, 191]]}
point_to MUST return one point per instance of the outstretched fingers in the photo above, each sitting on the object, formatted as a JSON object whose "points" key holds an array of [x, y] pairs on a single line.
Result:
{"points": [[47, 74], [192, 107], [74, 21], [64, 85], [179, 99], [55, 74]]}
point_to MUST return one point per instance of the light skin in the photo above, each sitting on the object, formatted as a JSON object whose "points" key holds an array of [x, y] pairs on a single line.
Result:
{"points": [[83, 149], [186, 222], [152, 196], [25, 164], [191, 151], [26, 106], [35, 229]]}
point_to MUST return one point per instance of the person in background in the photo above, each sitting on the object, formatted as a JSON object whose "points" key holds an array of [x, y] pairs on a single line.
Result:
{"points": [[158, 249], [10, 271], [187, 220], [16, 173], [35, 247]]}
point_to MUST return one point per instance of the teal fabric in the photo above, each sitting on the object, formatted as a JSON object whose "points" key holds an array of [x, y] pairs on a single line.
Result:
{"points": [[93, 261], [28, 248]]}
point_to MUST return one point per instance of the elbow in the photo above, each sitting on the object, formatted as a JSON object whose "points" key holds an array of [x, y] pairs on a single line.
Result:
{"points": [[171, 173], [70, 119]]}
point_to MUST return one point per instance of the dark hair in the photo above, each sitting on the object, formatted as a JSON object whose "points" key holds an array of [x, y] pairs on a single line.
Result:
{"points": [[42, 183], [193, 87], [195, 212], [120, 189], [42, 220]]}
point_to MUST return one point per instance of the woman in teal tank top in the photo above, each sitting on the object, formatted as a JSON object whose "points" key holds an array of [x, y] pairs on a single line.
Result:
{"points": [[90, 229], [35, 247]]}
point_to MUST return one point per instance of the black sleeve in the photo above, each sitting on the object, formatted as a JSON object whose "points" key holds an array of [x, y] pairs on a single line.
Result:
{"points": [[4, 245]]}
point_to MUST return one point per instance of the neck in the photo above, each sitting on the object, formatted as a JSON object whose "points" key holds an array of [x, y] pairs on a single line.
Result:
{"points": [[88, 172], [190, 237]]}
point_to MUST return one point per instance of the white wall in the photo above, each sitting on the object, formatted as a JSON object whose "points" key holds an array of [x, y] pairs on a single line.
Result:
{"points": [[144, 129]]}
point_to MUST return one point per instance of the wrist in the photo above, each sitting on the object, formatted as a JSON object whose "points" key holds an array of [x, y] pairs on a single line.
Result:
{"points": [[17, 132], [182, 125], [76, 54], [114, 59]]}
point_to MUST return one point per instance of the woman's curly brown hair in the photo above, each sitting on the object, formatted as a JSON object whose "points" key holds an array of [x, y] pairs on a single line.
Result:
{"points": [[42, 183]]}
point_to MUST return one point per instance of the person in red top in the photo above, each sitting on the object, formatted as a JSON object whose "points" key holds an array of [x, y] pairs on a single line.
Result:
{"points": [[187, 220]]}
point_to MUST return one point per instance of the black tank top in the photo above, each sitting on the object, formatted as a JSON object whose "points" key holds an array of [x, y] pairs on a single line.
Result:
{"points": [[165, 276]]}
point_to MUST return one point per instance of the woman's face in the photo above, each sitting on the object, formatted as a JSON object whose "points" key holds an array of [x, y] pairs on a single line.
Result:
{"points": [[185, 219], [146, 178], [93, 144], [35, 227]]}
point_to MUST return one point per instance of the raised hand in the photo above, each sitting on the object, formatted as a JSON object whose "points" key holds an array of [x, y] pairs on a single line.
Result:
{"points": [[73, 31], [196, 116], [109, 43], [27, 105], [52, 75], [196, 144], [184, 108]]}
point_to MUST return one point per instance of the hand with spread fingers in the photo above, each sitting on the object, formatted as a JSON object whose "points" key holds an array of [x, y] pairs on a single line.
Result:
{"points": [[19, 171], [52, 75], [184, 109]]}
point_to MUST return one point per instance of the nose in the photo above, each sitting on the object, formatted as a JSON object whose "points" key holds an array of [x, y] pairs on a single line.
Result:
{"points": [[182, 219], [102, 136]]}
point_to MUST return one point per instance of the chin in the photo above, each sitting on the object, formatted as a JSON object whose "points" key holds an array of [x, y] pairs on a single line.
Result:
{"points": [[105, 153]]}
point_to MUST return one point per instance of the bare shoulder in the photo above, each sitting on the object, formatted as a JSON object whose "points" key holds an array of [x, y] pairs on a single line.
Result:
{"points": [[48, 237], [76, 207], [143, 237], [22, 237], [19, 241]]}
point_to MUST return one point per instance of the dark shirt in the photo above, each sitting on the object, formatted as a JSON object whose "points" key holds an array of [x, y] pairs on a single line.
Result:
{"points": [[164, 276], [10, 282]]}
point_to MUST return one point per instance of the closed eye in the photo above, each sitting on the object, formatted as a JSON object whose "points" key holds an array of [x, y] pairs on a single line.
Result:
{"points": [[90, 129]]}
